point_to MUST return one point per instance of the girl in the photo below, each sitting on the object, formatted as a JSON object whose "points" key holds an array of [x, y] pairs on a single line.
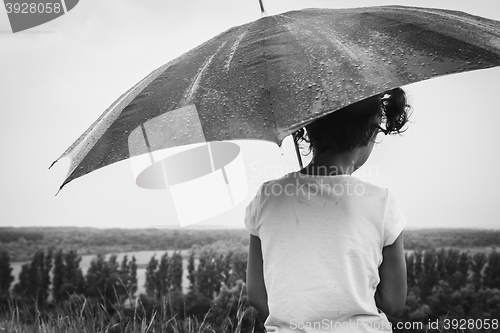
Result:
{"points": [[326, 249]]}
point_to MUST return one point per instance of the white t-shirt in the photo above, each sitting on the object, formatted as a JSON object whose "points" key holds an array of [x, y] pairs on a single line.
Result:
{"points": [[322, 240]]}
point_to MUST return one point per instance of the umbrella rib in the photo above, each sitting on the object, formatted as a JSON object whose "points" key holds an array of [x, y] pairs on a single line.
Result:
{"points": [[268, 85], [196, 82], [146, 140], [467, 20], [234, 47], [466, 24], [262, 9]]}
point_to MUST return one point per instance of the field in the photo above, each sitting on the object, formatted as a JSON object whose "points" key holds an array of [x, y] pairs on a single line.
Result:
{"points": [[452, 273]]}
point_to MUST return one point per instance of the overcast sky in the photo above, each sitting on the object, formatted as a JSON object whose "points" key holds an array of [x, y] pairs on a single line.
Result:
{"points": [[57, 78]]}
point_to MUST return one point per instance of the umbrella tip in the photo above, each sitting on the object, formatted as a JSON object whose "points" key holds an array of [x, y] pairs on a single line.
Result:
{"points": [[52, 164], [262, 10], [59, 190]]}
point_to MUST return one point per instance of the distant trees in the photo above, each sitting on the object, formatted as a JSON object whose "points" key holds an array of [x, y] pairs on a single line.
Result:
{"points": [[219, 264], [151, 284], [128, 275], [6, 277], [477, 266], [164, 276], [210, 274], [67, 276], [58, 274], [452, 284], [9, 235], [492, 271], [216, 275], [23, 242], [176, 271], [110, 282], [424, 239], [191, 271], [34, 279]]}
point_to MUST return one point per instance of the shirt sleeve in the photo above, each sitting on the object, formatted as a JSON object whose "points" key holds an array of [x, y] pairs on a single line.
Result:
{"points": [[252, 211], [394, 220]]}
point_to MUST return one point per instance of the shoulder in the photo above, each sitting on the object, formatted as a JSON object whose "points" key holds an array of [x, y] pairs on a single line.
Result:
{"points": [[283, 180], [275, 187], [372, 190]]}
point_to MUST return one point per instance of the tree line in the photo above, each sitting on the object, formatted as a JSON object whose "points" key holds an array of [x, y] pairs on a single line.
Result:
{"points": [[452, 284], [54, 276], [22, 243], [444, 283]]}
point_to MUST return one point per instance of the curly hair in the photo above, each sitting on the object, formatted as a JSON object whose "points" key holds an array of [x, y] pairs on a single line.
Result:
{"points": [[355, 125]]}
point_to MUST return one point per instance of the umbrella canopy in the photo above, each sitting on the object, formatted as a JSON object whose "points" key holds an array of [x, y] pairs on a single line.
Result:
{"points": [[266, 79]]}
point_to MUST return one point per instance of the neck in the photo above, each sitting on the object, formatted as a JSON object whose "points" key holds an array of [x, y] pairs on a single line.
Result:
{"points": [[327, 164]]}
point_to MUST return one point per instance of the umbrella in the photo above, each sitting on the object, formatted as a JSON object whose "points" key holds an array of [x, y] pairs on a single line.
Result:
{"points": [[266, 79]]}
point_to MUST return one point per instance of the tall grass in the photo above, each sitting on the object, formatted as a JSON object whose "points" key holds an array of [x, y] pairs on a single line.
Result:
{"points": [[84, 315]]}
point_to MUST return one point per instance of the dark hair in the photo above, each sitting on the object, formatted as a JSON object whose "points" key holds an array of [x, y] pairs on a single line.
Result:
{"points": [[358, 123]]}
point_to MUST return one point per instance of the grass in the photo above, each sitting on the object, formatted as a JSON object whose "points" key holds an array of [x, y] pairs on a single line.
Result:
{"points": [[83, 315]]}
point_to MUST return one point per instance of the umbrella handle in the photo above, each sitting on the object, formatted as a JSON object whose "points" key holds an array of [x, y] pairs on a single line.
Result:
{"points": [[262, 10], [297, 151]]}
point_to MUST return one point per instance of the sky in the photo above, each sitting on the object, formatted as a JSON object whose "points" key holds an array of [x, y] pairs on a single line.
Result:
{"points": [[57, 78]]}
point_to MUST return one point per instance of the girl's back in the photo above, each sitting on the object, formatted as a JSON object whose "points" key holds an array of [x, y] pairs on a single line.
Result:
{"points": [[322, 240]]}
